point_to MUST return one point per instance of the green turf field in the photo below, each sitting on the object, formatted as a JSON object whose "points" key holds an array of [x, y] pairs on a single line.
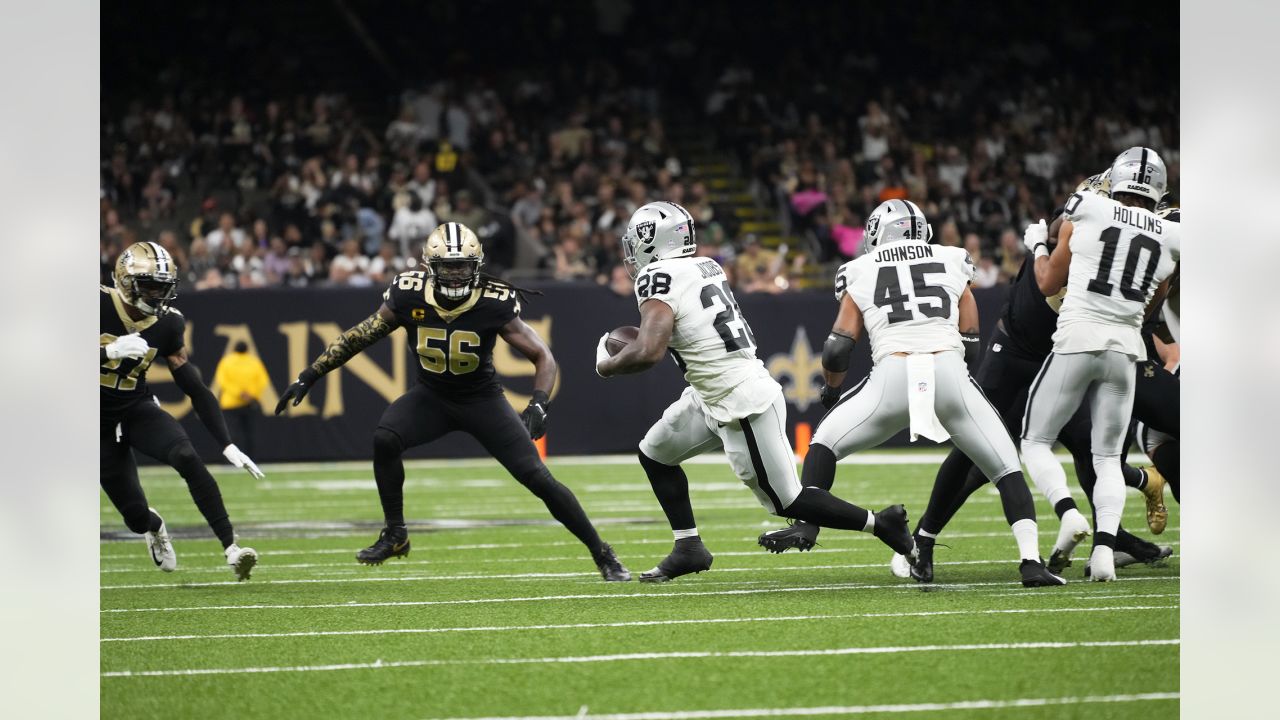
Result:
{"points": [[499, 612]]}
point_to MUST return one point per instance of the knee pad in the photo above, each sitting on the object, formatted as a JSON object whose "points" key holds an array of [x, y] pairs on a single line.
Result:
{"points": [[182, 456], [386, 443]]}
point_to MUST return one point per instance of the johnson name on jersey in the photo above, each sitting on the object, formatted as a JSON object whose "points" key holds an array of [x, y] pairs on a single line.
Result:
{"points": [[454, 346], [123, 382], [1119, 256], [908, 292], [711, 340]]}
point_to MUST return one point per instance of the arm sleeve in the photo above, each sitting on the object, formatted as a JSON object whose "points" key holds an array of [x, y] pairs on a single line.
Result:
{"points": [[188, 379]]}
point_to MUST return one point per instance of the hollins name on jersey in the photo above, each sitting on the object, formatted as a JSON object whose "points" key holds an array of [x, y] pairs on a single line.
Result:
{"points": [[1143, 221], [895, 253]]}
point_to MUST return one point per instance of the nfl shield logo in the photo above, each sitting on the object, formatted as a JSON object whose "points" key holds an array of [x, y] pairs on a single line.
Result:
{"points": [[922, 386]]}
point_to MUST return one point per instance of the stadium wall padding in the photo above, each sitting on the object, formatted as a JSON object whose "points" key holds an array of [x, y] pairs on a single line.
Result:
{"points": [[287, 328]]}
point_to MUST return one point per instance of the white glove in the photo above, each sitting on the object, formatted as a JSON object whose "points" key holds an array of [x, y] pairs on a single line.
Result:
{"points": [[240, 460], [1036, 235], [602, 354], [128, 346]]}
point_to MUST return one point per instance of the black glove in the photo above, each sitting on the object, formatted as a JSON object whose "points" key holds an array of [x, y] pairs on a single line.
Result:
{"points": [[829, 396], [298, 389], [535, 416]]}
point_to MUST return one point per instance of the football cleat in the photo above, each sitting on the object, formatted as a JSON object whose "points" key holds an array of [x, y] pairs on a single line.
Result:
{"points": [[160, 547], [391, 543], [892, 529], [1074, 529], [900, 566], [922, 568], [1035, 574], [241, 560], [611, 569], [1125, 559], [1102, 564], [688, 556], [799, 535], [1157, 513]]}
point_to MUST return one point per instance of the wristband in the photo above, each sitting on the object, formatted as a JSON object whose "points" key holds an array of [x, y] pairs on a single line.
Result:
{"points": [[540, 399], [1042, 250]]}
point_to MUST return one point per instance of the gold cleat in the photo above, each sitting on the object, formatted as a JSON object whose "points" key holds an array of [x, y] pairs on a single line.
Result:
{"points": [[1157, 513]]}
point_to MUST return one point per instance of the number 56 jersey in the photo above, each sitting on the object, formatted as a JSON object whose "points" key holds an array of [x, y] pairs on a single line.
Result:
{"points": [[711, 340], [1119, 256], [908, 292]]}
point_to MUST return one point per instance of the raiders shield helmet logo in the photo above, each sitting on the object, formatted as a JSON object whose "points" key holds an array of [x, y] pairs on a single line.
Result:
{"points": [[644, 231]]}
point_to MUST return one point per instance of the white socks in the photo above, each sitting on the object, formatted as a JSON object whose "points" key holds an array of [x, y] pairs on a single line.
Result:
{"points": [[1108, 493], [682, 534], [1046, 472], [871, 523], [1024, 532]]}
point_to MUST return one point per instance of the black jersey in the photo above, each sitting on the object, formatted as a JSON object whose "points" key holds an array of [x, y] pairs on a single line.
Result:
{"points": [[1029, 317], [123, 382], [454, 346]]}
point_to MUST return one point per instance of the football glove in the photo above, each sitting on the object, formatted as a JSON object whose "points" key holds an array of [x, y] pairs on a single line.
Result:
{"points": [[1036, 236], [234, 456], [297, 390], [535, 416], [130, 346], [829, 396], [602, 353]]}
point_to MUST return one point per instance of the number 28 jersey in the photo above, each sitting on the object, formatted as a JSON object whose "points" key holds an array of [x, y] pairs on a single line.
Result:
{"points": [[908, 292], [710, 340], [1119, 256]]}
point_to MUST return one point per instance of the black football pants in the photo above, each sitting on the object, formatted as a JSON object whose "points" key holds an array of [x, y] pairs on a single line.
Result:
{"points": [[154, 432], [422, 415]]}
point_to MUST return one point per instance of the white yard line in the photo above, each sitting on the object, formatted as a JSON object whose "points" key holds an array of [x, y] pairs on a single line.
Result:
{"points": [[624, 657], [636, 623], [844, 709], [656, 594], [512, 576]]}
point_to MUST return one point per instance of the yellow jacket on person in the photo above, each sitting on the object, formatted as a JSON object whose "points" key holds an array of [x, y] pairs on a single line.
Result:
{"points": [[239, 373]]}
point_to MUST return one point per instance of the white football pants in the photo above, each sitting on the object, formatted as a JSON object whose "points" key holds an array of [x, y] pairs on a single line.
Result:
{"points": [[757, 446]]}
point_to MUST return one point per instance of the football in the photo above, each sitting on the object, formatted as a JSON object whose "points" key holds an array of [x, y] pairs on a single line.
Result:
{"points": [[620, 338]]}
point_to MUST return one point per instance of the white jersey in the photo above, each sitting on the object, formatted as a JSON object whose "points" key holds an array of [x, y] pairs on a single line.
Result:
{"points": [[908, 292], [1119, 256], [711, 340]]}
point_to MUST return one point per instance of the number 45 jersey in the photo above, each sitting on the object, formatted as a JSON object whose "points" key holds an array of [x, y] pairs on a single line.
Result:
{"points": [[908, 292], [1119, 256], [711, 340]]}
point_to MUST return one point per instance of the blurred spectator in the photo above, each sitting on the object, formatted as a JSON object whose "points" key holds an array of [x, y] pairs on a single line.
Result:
{"points": [[227, 237], [241, 378], [388, 263], [275, 263], [757, 269], [412, 224], [350, 267]]}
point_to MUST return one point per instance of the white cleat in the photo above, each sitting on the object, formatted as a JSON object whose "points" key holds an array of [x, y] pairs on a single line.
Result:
{"points": [[899, 566], [241, 560], [1072, 532], [1102, 564], [161, 548]]}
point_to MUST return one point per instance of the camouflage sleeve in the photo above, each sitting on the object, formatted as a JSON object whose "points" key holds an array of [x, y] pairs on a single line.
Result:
{"points": [[351, 343]]}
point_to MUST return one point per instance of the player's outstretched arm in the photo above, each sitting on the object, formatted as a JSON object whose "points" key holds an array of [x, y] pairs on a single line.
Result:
{"points": [[346, 346], [838, 348], [526, 340], [187, 377], [656, 322]]}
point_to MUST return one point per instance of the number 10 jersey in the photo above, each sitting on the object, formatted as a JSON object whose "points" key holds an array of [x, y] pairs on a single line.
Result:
{"points": [[710, 340], [1119, 256], [908, 292]]}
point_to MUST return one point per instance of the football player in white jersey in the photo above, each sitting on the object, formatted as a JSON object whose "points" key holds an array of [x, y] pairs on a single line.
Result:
{"points": [[1113, 254], [686, 307], [913, 299]]}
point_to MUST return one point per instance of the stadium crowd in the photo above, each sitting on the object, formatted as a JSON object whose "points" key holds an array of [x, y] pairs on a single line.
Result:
{"points": [[547, 167]]}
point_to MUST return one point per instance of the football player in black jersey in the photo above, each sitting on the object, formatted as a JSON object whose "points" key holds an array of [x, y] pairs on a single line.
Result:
{"points": [[137, 324], [453, 315]]}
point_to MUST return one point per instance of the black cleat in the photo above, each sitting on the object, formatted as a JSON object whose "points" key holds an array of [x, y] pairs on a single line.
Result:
{"points": [[1059, 561], [922, 568], [611, 569], [688, 556], [799, 535], [392, 542], [893, 530], [1035, 574]]}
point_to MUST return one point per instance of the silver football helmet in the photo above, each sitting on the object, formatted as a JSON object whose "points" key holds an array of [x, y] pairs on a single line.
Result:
{"points": [[896, 220], [1139, 171], [658, 231]]}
